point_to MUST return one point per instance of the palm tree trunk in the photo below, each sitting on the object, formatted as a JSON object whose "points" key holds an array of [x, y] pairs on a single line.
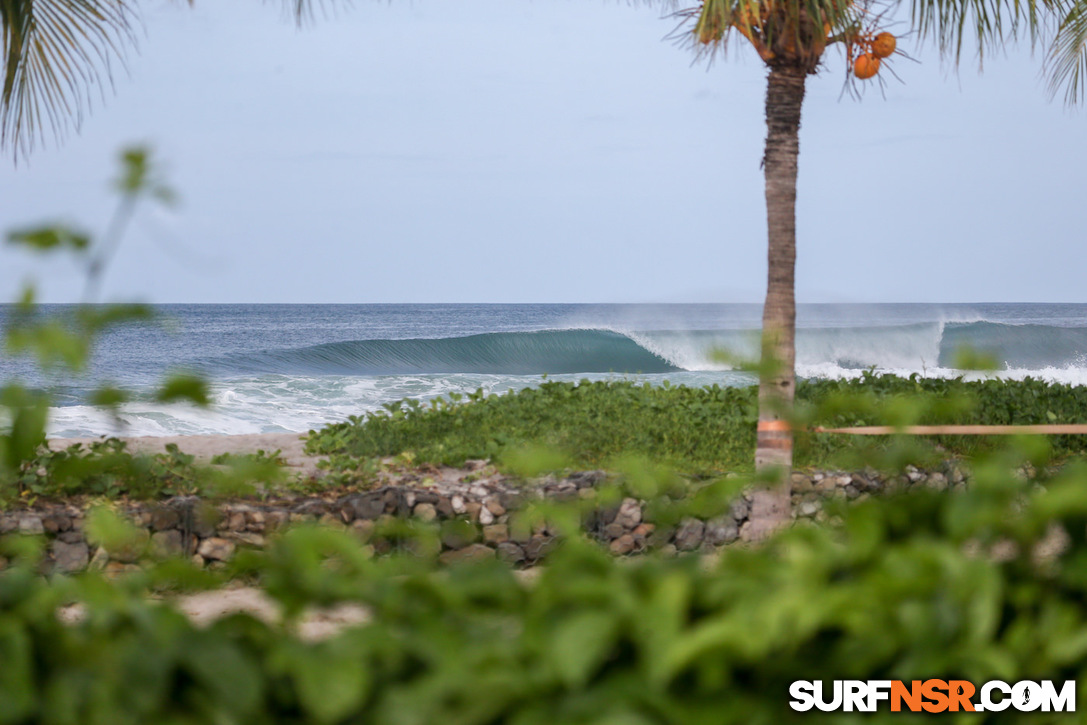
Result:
{"points": [[770, 507]]}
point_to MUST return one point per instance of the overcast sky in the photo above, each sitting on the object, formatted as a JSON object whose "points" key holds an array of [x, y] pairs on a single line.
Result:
{"points": [[549, 151]]}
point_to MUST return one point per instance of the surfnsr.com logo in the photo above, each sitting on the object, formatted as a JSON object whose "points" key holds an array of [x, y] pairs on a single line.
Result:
{"points": [[932, 696]]}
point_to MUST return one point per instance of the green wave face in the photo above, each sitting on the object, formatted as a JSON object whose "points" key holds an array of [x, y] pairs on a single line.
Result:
{"points": [[512, 353]]}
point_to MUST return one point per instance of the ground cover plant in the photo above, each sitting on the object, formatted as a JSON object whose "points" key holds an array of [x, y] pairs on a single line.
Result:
{"points": [[701, 431]]}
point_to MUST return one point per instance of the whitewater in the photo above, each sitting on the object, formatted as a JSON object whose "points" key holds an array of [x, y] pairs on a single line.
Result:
{"points": [[280, 368]]}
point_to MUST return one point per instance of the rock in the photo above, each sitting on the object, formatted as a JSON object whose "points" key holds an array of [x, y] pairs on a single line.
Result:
{"points": [[809, 508], [275, 520], [458, 533], [425, 512], [363, 529], [71, 537], [689, 535], [721, 530], [216, 549], [115, 569], [365, 506], [936, 481], [475, 464], [614, 530], [861, 482], [247, 538], [31, 525], [739, 509], [444, 507], [493, 505], [205, 520], [234, 521], [538, 547], [167, 543], [330, 520], [132, 548], [644, 529], [472, 508], [313, 507], [458, 504], [164, 517], [623, 545], [472, 552], [629, 514], [71, 558], [510, 552], [486, 518], [496, 533], [254, 521], [8, 524], [57, 523], [565, 491]]}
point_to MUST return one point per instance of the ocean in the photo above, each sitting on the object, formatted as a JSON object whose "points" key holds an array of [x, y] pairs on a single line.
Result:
{"points": [[280, 368]]}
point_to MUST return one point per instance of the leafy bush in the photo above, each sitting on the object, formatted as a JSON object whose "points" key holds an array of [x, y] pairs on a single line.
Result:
{"points": [[698, 430], [927, 584]]}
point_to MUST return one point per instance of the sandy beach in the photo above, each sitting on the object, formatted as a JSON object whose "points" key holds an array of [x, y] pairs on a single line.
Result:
{"points": [[205, 447]]}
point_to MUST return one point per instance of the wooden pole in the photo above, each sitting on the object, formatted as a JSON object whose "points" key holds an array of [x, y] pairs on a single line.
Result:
{"points": [[960, 430]]}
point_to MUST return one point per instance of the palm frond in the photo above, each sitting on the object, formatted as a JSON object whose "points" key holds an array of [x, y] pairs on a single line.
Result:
{"points": [[956, 25], [1066, 63], [302, 11], [57, 55]]}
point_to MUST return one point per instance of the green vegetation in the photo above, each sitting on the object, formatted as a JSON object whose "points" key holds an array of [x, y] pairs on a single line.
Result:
{"points": [[63, 344], [902, 588], [698, 430], [106, 468]]}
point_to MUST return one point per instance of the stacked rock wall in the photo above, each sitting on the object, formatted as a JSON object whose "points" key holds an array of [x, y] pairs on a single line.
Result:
{"points": [[472, 513]]}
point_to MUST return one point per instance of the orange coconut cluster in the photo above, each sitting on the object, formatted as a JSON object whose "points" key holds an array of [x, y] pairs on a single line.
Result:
{"points": [[868, 51]]}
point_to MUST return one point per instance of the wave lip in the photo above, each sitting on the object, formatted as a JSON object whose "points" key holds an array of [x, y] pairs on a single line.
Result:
{"points": [[511, 353]]}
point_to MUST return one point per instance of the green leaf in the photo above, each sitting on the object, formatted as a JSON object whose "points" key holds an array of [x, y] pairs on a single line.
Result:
{"points": [[17, 691], [109, 397], [50, 238], [580, 644], [184, 387], [331, 680]]}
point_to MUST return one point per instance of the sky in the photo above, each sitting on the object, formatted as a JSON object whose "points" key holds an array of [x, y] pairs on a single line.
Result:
{"points": [[547, 151]]}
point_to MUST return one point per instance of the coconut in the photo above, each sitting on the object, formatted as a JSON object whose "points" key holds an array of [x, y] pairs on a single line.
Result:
{"points": [[883, 44], [866, 66]]}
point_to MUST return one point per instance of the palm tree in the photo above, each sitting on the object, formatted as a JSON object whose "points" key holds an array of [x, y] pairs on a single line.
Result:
{"points": [[791, 37]]}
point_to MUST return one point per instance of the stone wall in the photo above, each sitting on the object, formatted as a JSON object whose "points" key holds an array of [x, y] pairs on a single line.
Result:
{"points": [[471, 507]]}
